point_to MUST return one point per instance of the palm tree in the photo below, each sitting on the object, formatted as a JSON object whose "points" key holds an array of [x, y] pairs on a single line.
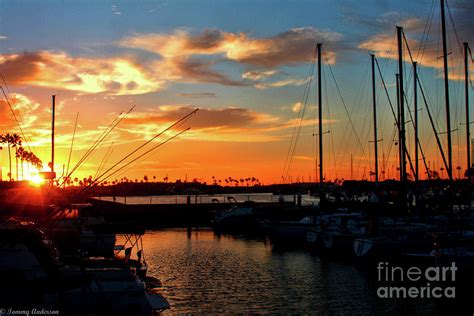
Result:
{"points": [[15, 141], [20, 153], [12, 140]]}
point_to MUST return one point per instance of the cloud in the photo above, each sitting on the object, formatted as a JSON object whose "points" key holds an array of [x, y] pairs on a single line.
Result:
{"points": [[221, 124], [198, 95], [20, 104], [190, 58], [256, 74], [116, 76], [287, 48], [296, 107], [384, 45], [2, 37], [230, 117], [193, 70], [281, 83]]}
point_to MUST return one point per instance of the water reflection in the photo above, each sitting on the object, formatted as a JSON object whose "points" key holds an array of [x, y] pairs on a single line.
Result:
{"points": [[205, 272]]}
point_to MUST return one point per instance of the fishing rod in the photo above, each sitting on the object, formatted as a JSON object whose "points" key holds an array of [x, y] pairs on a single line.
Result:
{"points": [[179, 122], [96, 183], [91, 147], [107, 131], [104, 160]]}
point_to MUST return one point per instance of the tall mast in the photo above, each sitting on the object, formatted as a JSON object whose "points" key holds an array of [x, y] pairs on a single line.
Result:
{"points": [[415, 102], [52, 135], [375, 122], [402, 106], [320, 117], [466, 90], [446, 93], [397, 80]]}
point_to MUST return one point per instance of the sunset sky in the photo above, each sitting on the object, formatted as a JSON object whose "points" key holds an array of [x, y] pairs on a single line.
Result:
{"points": [[245, 64]]}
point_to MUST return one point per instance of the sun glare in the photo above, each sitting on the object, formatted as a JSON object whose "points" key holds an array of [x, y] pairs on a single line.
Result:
{"points": [[36, 180]]}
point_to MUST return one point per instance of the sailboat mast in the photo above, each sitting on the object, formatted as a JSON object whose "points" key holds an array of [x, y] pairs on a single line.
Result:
{"points": [[446, 92], [402, 106], [374, 104], [320, 117], [52, 134], [466, 90], [415, 102], [375, 122], [397, 80]]}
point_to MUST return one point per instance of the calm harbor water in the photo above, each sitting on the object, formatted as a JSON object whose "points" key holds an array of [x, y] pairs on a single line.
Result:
{"points": [[205, 272]]}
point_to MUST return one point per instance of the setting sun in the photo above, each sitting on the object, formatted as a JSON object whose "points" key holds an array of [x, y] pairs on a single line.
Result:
{"points": [[36, 180]]}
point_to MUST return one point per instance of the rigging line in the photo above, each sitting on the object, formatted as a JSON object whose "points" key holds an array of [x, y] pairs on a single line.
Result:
{"points": [[454, 27], [426, 30], [297, 134], [297, 127], [16, 119], [328, 112], [100, 139], [72, 143], [342, 149], [394, 132], [417, 139], [19, 114], [110, 126], [426, 104], [432, 122], [106, 133], [95, 183], [388, 96], [180, 121], [102, 162], [347, 112]]}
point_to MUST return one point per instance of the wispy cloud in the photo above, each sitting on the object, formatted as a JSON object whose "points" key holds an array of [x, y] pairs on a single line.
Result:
{"points": [[198, 95], [258, 74], [281, 83]]}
